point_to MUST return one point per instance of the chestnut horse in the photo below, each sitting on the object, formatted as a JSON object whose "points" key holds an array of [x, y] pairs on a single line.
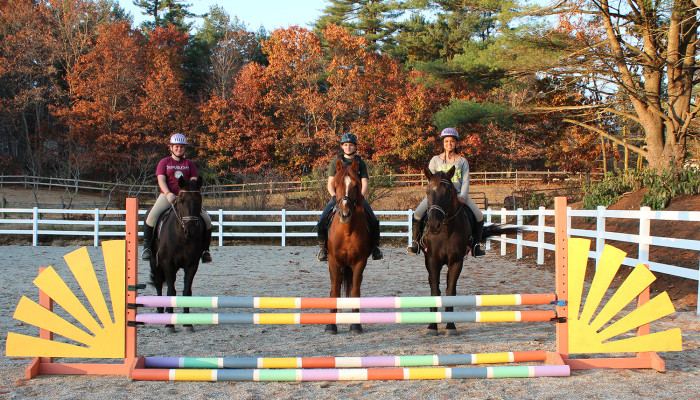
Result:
{"points": [[178, 244], [348, 238], [448, 235]]}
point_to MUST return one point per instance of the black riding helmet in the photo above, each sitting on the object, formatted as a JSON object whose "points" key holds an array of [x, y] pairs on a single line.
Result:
{"points": [[348, 138]]}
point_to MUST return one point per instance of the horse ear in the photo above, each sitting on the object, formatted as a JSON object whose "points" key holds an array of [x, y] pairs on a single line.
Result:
{"points": [[428, 173], [181, 182], [450, 173], [338, 165], [355, 166], [199, 182]]}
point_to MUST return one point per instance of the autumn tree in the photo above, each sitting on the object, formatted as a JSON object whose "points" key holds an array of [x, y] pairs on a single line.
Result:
{"points": [[106, 84], [294, 77], [241, 129], [644, 52], [26, 55]]}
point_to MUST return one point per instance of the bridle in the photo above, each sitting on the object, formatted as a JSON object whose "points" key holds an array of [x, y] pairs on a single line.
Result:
{"points": [[446, 216], [188, 218]]}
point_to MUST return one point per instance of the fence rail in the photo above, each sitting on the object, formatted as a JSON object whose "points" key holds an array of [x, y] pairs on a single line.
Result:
{"points": [[99, 224], [285, 186]]}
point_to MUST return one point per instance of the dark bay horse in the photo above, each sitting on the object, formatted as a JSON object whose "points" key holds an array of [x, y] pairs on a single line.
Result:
{"points": [[178, 244], [448, 236], [348, 238]]}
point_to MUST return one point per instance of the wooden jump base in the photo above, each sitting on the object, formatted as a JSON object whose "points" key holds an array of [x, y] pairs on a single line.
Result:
{"points": [[582, 327]]}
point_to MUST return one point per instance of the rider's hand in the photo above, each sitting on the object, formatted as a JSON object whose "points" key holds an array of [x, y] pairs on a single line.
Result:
{"points": [[171, 197], [462, 200]]}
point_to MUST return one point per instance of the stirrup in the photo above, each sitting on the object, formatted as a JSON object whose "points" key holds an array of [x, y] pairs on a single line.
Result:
{"points": [[322, 254], [414, 248], [146, 254], [477, 251], [206, 256], [377, 253]]}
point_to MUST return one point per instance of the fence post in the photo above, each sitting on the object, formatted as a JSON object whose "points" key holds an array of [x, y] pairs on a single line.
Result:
{"points": [[540, 236], [503, 236], [35, 226], [519, 242], [600, 233], [284, 227], [410, 226], [96, 241], [221, 227], [488, 221], [644, 237]]}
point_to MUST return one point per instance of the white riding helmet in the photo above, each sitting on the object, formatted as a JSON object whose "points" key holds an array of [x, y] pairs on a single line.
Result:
{"points": [[449, 132], [178, 138]]}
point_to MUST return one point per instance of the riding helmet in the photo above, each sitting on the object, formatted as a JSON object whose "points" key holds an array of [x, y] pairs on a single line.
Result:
{"points": [[178, 138], [349, 138], [449, 132]]}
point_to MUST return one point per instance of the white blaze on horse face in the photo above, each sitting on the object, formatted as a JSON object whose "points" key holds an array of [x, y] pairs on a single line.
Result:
{"points": [[348, 181]]}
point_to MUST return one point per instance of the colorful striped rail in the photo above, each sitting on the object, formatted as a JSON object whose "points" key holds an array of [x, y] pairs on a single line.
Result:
{"points": [[344, 362], [349, 374], [344, 318], [345, 302]]}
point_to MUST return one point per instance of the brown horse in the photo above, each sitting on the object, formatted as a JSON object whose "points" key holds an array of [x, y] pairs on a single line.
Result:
{"points": [[179, 242], [348, 238], [448, 235]]}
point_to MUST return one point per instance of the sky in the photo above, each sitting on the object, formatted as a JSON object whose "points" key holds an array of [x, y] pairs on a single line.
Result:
{"points": [[271, 14]]}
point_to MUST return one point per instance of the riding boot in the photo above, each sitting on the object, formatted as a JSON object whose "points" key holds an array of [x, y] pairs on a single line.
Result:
{"points": [[477, 251], [322, 251], [414, 248], [322, 233], [206, 256], [376, 252], [147, 238]]}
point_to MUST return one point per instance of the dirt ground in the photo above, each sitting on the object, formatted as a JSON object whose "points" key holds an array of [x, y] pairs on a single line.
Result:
{"points": [[683, 291]]}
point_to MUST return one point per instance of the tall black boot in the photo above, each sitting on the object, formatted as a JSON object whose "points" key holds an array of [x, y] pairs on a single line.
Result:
{"points": [[376, 251], [206, 256], [322, 232], [477, 251], [147, 238], [414, 248]]}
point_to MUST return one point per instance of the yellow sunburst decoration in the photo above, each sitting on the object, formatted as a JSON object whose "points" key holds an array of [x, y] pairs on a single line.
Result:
{"points": [[604, 331], [101, 337]]}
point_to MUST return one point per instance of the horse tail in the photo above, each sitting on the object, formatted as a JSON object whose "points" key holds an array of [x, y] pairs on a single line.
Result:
{"points": [[500, 229]]}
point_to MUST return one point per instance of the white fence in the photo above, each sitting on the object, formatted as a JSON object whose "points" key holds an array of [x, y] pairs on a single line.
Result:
{"points": [[285, 224]]}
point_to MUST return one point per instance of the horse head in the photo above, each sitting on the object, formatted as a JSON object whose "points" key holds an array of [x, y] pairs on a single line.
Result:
{"points": [[189, 205], [442, 198], [348, 190]]}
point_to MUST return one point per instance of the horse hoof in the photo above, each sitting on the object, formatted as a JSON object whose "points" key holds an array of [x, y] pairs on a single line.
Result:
{"points": [[331, 329], [172, 329], [431, 332], [355, 329]]}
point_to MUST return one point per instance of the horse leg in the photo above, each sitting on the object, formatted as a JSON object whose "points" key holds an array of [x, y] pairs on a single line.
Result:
{"points": [[187, 290], [336, 280], [170, 283], [357, 271], [434, 282], [453, 272]]}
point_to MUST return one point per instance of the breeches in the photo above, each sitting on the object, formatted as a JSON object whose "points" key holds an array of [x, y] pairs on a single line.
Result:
{"points": [[423, 208], [163, 204]]}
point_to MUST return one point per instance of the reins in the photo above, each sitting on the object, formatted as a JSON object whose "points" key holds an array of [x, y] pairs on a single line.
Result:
{"points": [[442, 210], [185, 219]]}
